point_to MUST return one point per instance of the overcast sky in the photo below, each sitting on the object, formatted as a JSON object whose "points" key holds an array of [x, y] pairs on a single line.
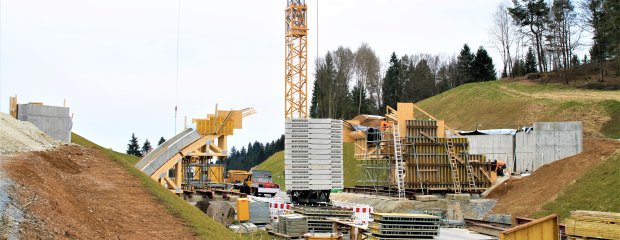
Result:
{"points": [[114, 61]]}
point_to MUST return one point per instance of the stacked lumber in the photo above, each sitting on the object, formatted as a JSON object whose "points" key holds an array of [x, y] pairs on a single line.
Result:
{"points": [[592, 224]]}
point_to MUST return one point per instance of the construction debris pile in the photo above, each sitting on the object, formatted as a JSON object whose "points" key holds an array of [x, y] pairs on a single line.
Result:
{"points": [[21, 136]]}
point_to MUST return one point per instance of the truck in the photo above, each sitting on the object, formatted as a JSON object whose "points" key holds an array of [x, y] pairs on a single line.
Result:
{"points": [[255, 182], [261, 183]]}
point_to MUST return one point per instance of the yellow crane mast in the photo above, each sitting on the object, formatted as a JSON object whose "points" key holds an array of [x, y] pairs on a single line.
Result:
{"points": [[296, 60]]}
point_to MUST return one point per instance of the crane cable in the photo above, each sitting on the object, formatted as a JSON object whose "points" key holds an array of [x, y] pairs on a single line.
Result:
{"points": [[176, 87]]}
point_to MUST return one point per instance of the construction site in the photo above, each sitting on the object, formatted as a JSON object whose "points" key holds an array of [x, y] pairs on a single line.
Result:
{"points": [[414, 171]]}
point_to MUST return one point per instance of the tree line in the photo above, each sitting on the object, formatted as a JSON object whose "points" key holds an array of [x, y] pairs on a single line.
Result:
{"points": [[541, 36], [252, 155], [348, 83], [133, 147]]}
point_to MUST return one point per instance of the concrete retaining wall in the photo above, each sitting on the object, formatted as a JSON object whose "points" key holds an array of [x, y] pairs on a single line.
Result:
{"points": [[547, 142], [54, 121]]}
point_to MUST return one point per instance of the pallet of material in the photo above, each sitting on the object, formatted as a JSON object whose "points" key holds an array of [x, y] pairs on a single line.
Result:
{"points": [[592, 224], [406, 227], [405, 218], [331, 212], [403, 226]]}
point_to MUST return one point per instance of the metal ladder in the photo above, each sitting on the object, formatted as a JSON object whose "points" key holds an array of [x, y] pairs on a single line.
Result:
{"points": [[470, 173], [398, 157], [453, 165]]}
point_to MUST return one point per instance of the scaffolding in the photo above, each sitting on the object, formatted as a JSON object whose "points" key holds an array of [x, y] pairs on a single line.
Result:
{"points": [[431, 161]]}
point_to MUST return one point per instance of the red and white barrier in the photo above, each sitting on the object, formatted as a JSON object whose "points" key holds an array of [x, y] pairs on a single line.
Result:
{"points": [[278, 208], [361, 212]]}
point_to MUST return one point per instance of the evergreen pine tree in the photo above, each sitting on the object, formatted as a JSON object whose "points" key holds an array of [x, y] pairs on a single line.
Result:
{"points": [[464, 65], [482, 67], [133, 148], [392, 89], [161, 141], [146, 147], [530, 62]]}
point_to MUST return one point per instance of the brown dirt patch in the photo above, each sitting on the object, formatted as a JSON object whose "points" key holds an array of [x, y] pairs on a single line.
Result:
{"points": [[522, 197], [77, 193]]}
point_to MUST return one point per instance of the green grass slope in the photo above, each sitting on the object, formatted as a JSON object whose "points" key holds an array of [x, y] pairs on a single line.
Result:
{"points": [[597, 190], [275, 164], [202, 225], [503, 103]]}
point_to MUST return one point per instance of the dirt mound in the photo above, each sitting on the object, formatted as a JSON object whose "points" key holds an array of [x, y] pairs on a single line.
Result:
{"points": [[524, 196], [73, 192], [19, 136]]}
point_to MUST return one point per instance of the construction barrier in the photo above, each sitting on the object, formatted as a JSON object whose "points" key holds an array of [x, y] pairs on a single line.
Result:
{"points": [[277, 209], [361, 212]]}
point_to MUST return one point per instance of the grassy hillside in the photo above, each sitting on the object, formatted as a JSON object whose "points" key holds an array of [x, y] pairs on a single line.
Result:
{"points": [[500, 104], [275, 164], [503, 103], [597, 190], [202, 225]]}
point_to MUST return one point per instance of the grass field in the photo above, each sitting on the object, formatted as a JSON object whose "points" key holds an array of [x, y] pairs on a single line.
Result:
{"points": [[597, 190], [203, 226], [500, 104]]}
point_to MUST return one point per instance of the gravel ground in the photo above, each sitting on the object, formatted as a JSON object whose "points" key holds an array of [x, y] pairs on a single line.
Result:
{"points": [[456, 210], [10, 215], [20, 136]]}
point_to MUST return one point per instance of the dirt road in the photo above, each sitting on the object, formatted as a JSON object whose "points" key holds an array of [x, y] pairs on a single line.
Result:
{"points": [[77, 193]]}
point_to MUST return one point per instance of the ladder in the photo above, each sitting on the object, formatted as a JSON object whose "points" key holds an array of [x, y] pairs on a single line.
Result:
{"points": [[453, 165], [398, 157], [470, 173]]}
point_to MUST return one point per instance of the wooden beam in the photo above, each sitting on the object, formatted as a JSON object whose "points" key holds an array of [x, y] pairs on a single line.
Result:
{"points": [[432, 117], [485, 174], [171, 183], [427, 136]]}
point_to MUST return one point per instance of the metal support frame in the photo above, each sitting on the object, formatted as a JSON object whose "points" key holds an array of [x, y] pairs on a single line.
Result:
{"points": [[296, 60]]}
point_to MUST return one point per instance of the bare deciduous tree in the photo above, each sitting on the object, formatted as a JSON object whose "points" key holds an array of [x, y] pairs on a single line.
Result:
{"points": [[503, 33]]}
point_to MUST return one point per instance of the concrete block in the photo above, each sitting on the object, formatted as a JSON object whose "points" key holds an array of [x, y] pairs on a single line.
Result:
{"points": [[544, 126], [458, 197], [426, 198]]}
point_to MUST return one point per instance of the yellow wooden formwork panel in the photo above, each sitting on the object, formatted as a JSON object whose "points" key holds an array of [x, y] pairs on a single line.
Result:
{"points": [[216, 173], [405, 112], [13, 106], [541, 229]]}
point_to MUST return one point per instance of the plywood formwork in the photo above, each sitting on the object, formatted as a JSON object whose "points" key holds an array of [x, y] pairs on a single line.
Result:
{"points": [[13, 106], [427, 154], [428, 163]]}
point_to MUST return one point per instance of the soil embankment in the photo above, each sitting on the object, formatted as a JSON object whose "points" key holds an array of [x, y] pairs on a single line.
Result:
{"points": [[522, 197]]}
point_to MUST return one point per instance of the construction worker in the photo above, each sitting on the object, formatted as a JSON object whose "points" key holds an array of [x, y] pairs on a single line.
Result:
{"points": [[499, 167], [384, 125]]}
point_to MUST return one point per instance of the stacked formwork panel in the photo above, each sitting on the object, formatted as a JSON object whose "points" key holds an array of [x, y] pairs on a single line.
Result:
{"points": [[313, 154]]}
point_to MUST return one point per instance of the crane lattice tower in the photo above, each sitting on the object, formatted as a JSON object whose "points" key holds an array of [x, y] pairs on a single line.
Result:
{"points": [[296, 60]]}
